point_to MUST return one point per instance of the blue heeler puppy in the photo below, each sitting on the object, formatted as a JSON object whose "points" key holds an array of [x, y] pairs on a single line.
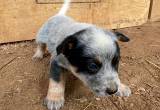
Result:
{"points": [[91, 53]]}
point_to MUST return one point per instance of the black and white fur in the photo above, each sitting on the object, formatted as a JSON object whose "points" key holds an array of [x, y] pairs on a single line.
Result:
{"points": [[89, 52]]}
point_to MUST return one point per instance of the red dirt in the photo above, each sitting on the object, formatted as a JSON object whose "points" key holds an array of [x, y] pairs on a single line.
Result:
{"points": [[23, 83]]}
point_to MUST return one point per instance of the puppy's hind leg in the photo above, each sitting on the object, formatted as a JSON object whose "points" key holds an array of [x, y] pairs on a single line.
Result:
{"points": [[40, 51]]}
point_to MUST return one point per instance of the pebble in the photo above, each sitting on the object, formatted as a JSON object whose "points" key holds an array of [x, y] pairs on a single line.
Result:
{"points": [[18, 90], [141, 89], [20, 81], [82, 100], [131, 105], [98, 99]]}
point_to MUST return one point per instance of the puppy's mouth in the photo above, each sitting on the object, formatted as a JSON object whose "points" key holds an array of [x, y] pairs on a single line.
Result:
{"points": [[101, 93], [106, 92]]}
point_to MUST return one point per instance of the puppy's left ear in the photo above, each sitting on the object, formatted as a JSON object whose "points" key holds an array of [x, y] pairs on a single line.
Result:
{"points": [[121, 37], [57, 66], [61, 61]]}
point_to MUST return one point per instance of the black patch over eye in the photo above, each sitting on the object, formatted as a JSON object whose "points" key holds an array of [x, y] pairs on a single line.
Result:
{"points": [[74, 51], [93, 68]]}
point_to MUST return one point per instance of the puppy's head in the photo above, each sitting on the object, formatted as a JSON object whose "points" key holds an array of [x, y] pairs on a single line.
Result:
{"points": [[93, 55]]}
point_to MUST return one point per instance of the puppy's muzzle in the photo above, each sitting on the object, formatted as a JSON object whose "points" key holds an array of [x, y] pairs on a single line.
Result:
{"points": [[112, 89]]}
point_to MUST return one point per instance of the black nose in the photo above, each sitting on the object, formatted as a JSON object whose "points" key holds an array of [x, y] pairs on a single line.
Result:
{"points": [[113, 89]]}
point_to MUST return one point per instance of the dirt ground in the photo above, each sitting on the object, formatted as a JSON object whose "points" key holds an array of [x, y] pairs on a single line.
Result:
{"points": [[23, 82]]}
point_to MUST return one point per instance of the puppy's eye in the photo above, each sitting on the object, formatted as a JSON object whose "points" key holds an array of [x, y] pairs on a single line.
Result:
{"points": [[93, 67]]}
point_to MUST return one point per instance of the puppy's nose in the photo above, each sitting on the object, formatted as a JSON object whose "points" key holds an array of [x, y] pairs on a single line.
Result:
{"points": [[112, 89]]}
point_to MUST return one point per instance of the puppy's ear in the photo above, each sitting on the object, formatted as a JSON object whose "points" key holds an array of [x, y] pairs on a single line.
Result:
{"points": [[69, 43], [57, 66], [61, 61], [121, 37]]}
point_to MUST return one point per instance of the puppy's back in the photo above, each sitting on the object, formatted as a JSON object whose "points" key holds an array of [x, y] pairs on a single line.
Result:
{"points": [[56, 29]]}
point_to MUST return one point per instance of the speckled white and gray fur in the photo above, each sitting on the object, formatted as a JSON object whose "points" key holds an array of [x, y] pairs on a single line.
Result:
{"points": [[97, 41], [101, 43], [56, 29]]}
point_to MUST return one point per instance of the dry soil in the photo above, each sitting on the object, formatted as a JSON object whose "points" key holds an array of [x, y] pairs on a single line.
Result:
{"points": [[23, 82]]}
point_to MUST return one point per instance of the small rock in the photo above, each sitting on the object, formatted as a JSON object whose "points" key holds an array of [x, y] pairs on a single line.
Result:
{"points": [[26, 73], [20, 81], [18, 90], [98, 99], [141, 89], [123, 64], [9, 52], [133, 85], [82, 100], [131, 105], [137, 93]]}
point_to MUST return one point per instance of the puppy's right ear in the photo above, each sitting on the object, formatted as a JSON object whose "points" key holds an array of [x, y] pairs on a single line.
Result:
{"points": [[69, 43], [117, 35], [121, 37]]}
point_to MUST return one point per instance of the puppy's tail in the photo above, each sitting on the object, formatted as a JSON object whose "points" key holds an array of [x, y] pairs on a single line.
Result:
{"points": [[64, 7]]}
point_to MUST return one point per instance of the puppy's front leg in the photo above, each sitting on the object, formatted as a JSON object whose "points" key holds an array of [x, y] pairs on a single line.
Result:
{"points": [[123, 90], [55, 96]]}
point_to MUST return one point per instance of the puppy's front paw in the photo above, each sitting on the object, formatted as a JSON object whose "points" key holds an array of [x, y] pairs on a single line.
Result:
{"points": [[124, 91], [53, 105]]}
